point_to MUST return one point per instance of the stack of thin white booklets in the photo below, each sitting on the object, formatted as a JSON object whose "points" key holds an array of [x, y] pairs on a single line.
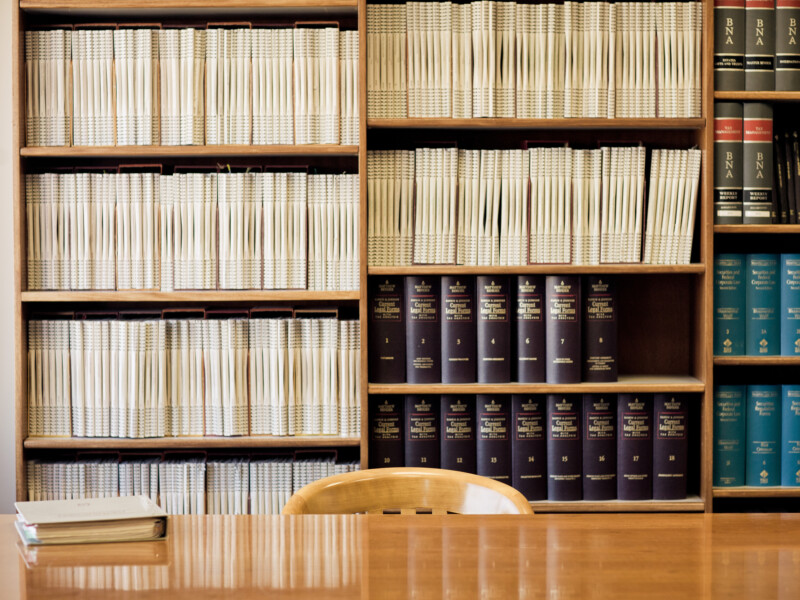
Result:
{"points": [[429, 31], [136, 79], [270, 485], [622, 204], [240, 206], [182, 486], [138, 476], [185, 383], [316, 85], [387, 95], [551, 172], [285, 230], [671, 206], [225, 343], [273, 85], [586, 192], [228, 86], [390, 199], [345, 415], [679, 26], [228, 483], [348, 87], [435, 205], [493, 58], [138, 249], [47, 195], [182, 60], [47, 75], [49, 379], [92, 84]]}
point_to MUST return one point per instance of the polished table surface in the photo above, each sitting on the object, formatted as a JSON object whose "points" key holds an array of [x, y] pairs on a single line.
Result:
{"points": [[544, 556]]}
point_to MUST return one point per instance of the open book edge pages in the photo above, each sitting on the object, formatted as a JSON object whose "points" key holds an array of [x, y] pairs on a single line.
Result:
{"points": [[94, 520]]}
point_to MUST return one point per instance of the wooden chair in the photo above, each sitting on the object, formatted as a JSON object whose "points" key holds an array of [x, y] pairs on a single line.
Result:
{"points": [[407, 491]]}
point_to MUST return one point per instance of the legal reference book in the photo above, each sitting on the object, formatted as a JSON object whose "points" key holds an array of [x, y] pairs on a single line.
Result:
{"points": [[729, 435], [790, 435], [423, 330], [599, 447], [757, 173], [494, 329], [759, 45], [787, 55], [670, 446], [563, 328], [728, 168], [458, 433], [458, 330], [600, 329], [762, 301], [529, 445], [790, 305], [728, 44], [763, 435], [386, 426], [564, 447], [493, 415], [91, 520], [387, 330], [422, 441], [635, 447], [729, 304], [529, 329]]}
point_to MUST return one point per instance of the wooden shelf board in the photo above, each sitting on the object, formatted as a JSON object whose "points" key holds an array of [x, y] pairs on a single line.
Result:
{"points": [[159, 6], [769, 229], [188, 151], [757, 360], [192, 296], [631, 269], [177, 443], [690, 504], [757, 492], [760, 96], [514, 123], [626, 383]]}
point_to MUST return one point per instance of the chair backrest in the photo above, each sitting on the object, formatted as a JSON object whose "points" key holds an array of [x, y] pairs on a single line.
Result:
{"points": [[407, 491]]}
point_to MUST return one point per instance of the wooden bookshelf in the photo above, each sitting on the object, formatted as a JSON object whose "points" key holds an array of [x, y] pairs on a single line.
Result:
{"points": [[191, 296], [690, 504], [772, 96], [757, 492], [549, 269], [194, 443], [189, 5], [743, 361], [185, 151], [519, 124], [757, 229]]}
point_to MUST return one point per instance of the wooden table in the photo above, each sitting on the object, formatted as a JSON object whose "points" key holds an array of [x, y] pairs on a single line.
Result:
{"points": [[543, 557]]}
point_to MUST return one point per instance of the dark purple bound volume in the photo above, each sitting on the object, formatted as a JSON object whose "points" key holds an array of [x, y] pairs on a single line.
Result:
{"points": [[563, 328], [494, 329], [670, 446], [458, 433], [529, 321], [423, 330], [493, 415], [599, 329], [599, 447], [422, 431], [529, 445], [386, 431], [387, 330], [563, 447], [635, 446], [458, 329]]}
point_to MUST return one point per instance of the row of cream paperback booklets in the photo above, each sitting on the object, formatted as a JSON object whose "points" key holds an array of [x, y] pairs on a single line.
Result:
{"points": [[91, 520], [182, 86], [192, 231], [534, 60], [537, 206]]}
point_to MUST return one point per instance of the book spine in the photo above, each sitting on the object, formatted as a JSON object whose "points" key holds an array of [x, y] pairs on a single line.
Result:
{"points": [[762, 300], [494, 331], [423, 330], [759, 45], [635, 447], [757, 174], [787, 55], [729, 304], [386, 431], [529, 446], [789, 176], [563, 447], [763, 435], [790, 435], [781, 198], [729, 435], [790, 304], [458, 330], [728, 162], [493, 416], [387, 331], [422, 445], [729, 44], [600, 329], [563, 329], [599, 447], [670, 446], [529, 330], [458, 433]]}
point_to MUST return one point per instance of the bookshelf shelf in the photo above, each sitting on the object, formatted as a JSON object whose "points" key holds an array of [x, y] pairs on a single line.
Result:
{"points": [[193, 5], [757, 492], [622, 269], [192, 296], [757, 360], [771, 96], [690, 504], [758, 229], [185, 151], [626, 383], [513, 123], [188, 443]]}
